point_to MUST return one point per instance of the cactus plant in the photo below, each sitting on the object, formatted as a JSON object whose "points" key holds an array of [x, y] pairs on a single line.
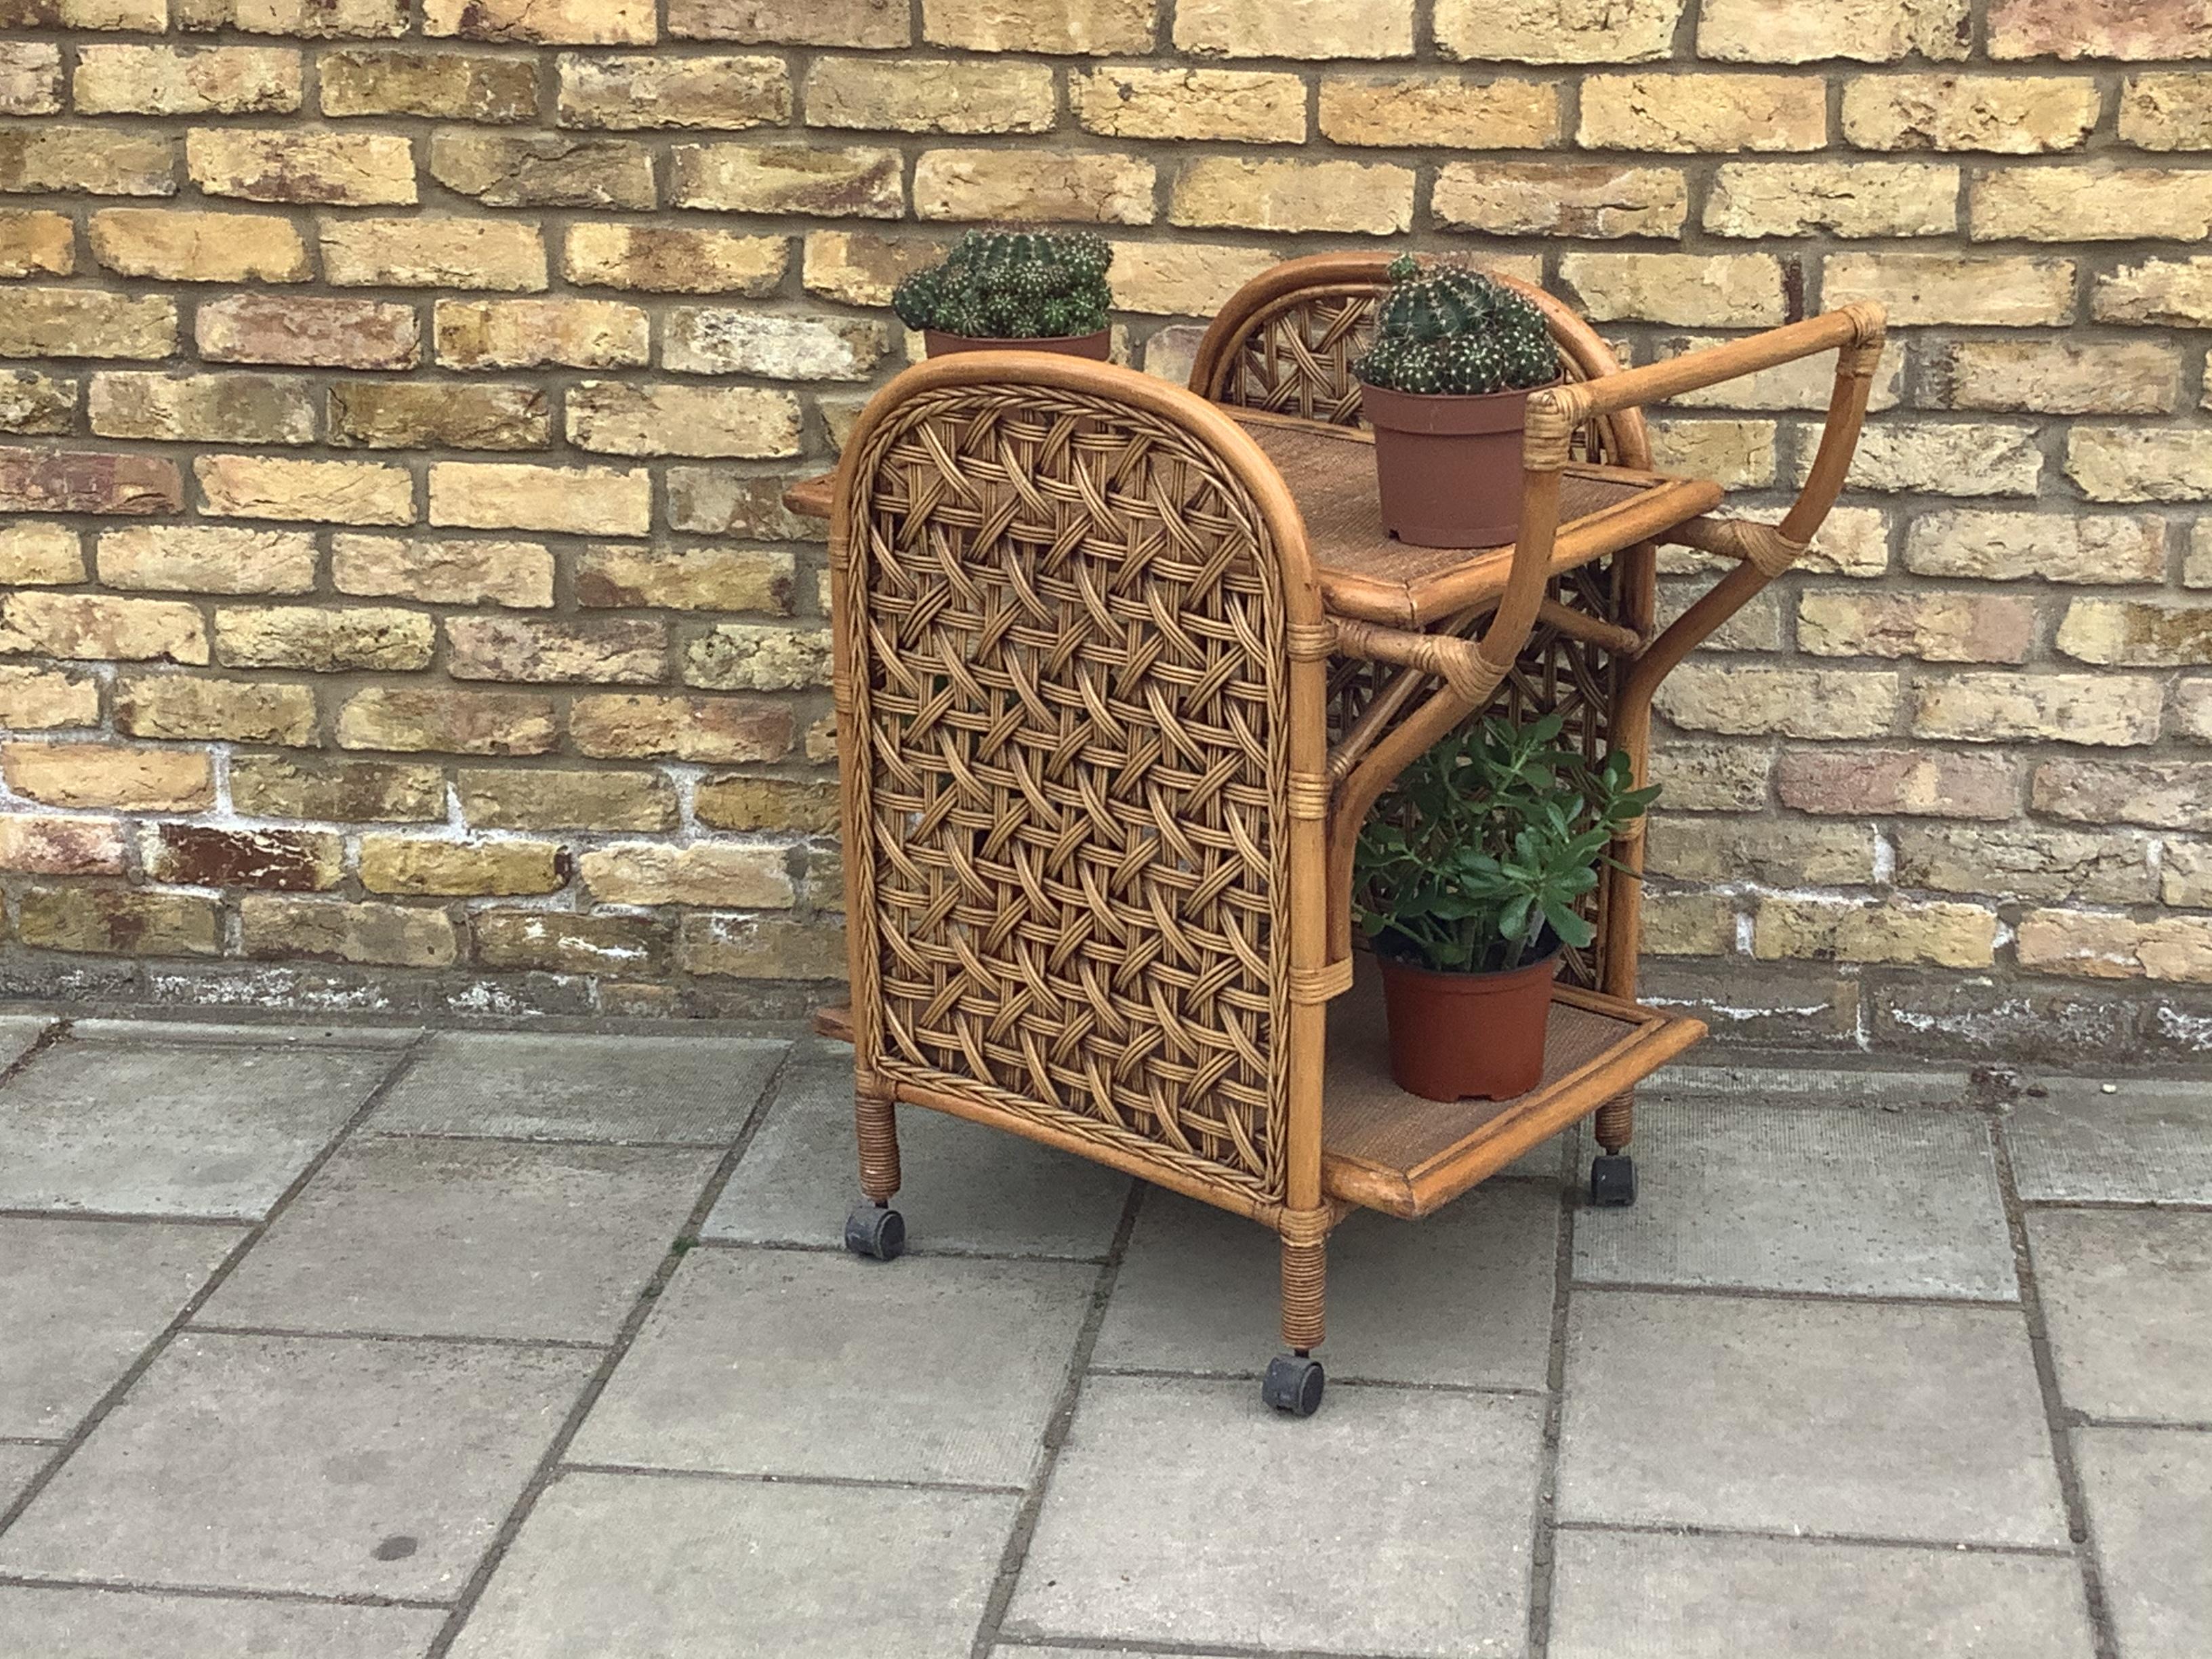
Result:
{"points": [[1443, 329], [1019, 285]]}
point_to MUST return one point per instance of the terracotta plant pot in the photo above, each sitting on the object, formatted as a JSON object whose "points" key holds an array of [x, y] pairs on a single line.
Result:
{"points": [[1453, 1035], [1447, 466], [1096, 347]]}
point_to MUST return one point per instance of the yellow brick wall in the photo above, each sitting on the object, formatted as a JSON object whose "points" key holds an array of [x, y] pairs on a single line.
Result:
{"points": [[398, 614]]}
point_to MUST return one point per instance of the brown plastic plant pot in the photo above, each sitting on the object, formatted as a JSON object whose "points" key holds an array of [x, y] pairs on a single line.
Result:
{"points": [[1454, 1037], [1096, 347], [1447, 466]]}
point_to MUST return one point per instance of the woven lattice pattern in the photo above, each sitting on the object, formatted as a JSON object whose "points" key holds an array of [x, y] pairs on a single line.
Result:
{"points": [[1067, 664]]}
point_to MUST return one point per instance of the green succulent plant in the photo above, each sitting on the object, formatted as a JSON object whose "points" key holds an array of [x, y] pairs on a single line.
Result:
{"points": [[1012, 285], [1443, 329]]}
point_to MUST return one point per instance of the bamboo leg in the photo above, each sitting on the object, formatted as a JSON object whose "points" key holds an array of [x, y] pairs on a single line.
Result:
{"points": [[1616, 1123], [1304, 1271], [875, 1126]]}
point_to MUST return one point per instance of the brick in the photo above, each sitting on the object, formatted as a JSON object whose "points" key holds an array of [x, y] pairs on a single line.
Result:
{"points": [[443, 570], [1439, 111], [2056, 707], [2079, 205], [33, 403], [35, 243], [64, 480], [197, 706], [140, 17], [228, 409], [1810, 703], [197, 247], [78, 322], [1686, 113], [640, 726], [32, 843], [539, 798], [936, 95], [248, 328], [207, 559], [1711, 777], [2010, 861], [2197, 564], [799, 806], [322, 492], [364, 931], [2162, 794], [640, 93], [2004, 114], [87, 160], [753, 656], [1804, 31], [1068, 27], [496, 254], [1849, 198], [822, 181], [42, 699], [1182, 279], [110, 775], [821, 740], [336, 791], [2168, 112], [1316, 29], [443, 85], [1965, 458], [2174, 293], [119, 921], [421, 867], [31, 78], [1919, 783], [1687, 924], [502, 169], [1935, 933], [1557, 31], [2112, 28], [413, 719], [533, 333], [559, 942], [761, 948], [1920, 288], [214, 855], [2058, 547], [661, 260], [686, 578], [1735, 454], [1723, 290], [2192, 710], [325, 640], [1372, 198], [1933, 626], [746, 876], [1551, 198], [543, 22], [2186, 878], [716, 501], [355, 169], [791, 22], [1775, 853], [115, 80], [2057, 377], [610, 652], [2136, 632], [1804, 385], [96, 626], [317, 20], [1084, 187], [2140, 464], [401, 414], [2172, 948], [495, 495], [720, 340], [40, 555]]}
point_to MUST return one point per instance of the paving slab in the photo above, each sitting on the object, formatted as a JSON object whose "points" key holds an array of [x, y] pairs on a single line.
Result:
{"points": [[17, 1033], [2148, 1143], [17, 1465], [468, 1238], [80, 1300], [818, 1363], [106, 1624], [1651, 1595], [290, 1463], [1787, 1197], [235, 1034], [2127, 1294], [1813, 1085], [1867, 1420], [690, 1567], [689, 1091], [1184, 1512], [2150, 1496], [1463, 1297], [158, 1129], [965, 1187]]}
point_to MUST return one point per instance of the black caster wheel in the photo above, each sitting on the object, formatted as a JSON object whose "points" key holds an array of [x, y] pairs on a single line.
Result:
{"points": [[1294, 1384], [873, 1230], [1613, 1181]]}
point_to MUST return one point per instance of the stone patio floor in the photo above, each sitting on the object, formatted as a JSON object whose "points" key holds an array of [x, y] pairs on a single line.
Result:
{"points": [[353, 1344]]}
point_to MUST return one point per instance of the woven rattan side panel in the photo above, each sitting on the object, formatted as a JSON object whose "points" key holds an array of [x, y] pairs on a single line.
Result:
{"points": [[1298, 361], [1067, 662]]}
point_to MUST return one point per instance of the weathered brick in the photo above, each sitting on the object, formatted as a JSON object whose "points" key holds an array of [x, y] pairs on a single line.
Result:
{"points": [[686, 578], [317, 20], [1919, 783], [1721, 290], [443, 85], [443, 570], [544, 22], [2010, 546], [120, 921], [2163, 795], [1316, 29], [2056, 708], [1741, 701], [1685, 924], [2186, 878], [533, 333], [539, 798], [336, 791], [79, 322], [1938, 932], [1920, 288], [663, 260], [422, 868], [110, 775], [1965, 458], [2173, 293], [1780, 853], [2103, 946], [1804, 31], [140, 17], [357, 931], [508, 496], [1804, 385], [31, 78], [637, 93], [2141, 464], [40, 555], [1041, 26], [197, 247], [610, 652], [1374, 198], [1686, 113], [218, 855], [1557, 31], [412, 718], [640, 726], [355, 169], [1735, 454], [96, 627], [246, 328], [35, 402], [821, 742], [2009, 115], [1935, 627], [32, 843], [198, 706], [88, 160], [35, 243], [42, 699], [2168, 112], [717, 501], [502, 169], [754, 657], [2013, 861], [114, 80], [1848, 199], [403, 414], [1558, 199], [207, 559], [2197, 564], [2081, 204], [791, 22], [744, 875], [738, 801], [1711, 777], [2057, 377], [2112, 28], [561, 942], [230, 409], [1181, 279], [2136, 632], [823, 181], [2192, 710], [1439, 111], [64, 480], [761, 947], [497, 254], [326, 641], [941, 94], [322, 492], [1088, 187]]}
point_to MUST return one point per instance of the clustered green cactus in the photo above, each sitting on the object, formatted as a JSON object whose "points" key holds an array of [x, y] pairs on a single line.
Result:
{"points": [[1441, 329], [1012, 286]]}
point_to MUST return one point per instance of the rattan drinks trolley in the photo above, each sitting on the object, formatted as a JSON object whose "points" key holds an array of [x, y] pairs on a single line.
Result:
{"points": [[1121, 670]]}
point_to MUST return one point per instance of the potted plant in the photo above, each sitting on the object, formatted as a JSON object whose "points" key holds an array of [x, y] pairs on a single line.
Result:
{"points": [[1466, 880], [1445, 386], [1019, 290]]}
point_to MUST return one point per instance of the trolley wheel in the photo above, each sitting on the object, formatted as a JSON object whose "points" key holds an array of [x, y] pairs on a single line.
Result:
{"points": [[1294, 1384], [875, 1229], [1613, 1181]]}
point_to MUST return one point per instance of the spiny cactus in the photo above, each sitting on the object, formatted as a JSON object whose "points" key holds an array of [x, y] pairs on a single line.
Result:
{"points": [[1020, 285], [1441, 329]]}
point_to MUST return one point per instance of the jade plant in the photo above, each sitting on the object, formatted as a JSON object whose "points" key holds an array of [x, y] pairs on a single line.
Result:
{"points": [[1020, 285], [1443, 329], [1486, 844]]}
